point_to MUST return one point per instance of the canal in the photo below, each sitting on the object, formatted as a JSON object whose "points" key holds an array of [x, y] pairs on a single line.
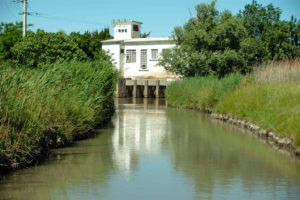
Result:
{"points": [[153, 152]]}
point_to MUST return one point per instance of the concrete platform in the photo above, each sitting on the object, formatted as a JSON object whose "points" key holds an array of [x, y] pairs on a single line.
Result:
{"points": [[142, 88]]}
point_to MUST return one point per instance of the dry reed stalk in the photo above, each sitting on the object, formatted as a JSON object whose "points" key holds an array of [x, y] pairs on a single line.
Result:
{"points": [[287, 71]]}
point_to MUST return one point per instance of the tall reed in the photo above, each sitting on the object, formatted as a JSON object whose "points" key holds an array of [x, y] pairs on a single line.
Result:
{"points": [[201, 92], [48, 107], [287, 71]]}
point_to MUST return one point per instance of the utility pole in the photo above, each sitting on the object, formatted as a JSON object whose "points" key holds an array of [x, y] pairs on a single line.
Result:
{"points": [[25, 18]]}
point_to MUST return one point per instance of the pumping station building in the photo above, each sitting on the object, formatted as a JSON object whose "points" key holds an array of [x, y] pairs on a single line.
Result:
{"points": [[137, 60]]}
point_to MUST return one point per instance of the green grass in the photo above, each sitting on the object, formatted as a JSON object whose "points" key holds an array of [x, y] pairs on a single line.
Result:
{"points": [[272, 106], [269, 98], [201, 92], [43, 108]]}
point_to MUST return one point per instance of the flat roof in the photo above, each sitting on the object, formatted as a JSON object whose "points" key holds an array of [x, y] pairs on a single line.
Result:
{"points": [[112, 41], [159, 39], [140, 40], [126, 22]]}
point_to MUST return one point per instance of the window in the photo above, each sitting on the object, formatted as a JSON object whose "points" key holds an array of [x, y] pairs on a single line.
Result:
{"points": [[122, 30], [135, 27], [130, 56], [154, 54], [144, 59]]}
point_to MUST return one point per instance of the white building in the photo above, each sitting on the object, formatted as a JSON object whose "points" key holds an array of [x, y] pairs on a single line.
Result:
{"points": [[134, 56]]}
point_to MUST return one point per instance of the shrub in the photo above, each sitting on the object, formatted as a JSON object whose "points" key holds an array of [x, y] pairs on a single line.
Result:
{"points": [[42, 48]]}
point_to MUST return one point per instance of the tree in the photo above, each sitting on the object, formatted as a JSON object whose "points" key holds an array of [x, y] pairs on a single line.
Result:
{"points": [[41, 48], [10, 34], [145, 35], [279, 37], [214, 43], [90, 42], [211, 43]]}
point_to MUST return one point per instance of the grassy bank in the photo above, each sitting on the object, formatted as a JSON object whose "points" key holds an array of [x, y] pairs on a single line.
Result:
{"points": [[50, 107], [201, 92], [270, 97]]}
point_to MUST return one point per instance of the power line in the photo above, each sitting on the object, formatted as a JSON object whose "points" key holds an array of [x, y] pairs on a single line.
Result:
{"points": [[35, 13], [51, 17], [9, 10]]}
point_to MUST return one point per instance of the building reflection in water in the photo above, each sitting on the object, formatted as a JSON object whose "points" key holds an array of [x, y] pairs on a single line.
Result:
{"points": [[139, 130]]}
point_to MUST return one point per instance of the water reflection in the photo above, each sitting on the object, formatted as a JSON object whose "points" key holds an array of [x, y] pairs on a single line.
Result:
{"points": [[223, 163], [150, 152], [138, 131]]}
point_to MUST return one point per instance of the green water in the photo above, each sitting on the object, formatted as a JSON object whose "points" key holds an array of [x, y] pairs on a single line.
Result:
{"points": [[153, 152]]}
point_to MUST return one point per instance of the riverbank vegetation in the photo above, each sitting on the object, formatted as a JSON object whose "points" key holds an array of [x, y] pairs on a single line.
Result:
{"points": [[51, 107], [269, 97], [201, 92], [54, 89], [233, 64]]}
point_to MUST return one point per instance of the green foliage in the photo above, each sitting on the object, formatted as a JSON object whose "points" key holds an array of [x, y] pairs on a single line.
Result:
{"points": [[90, 42], [50, 106], [10, 34], [212, 43], [201, 92], [40, 48], [273, 106], [280, 38], [145, 35], [268, 98]]}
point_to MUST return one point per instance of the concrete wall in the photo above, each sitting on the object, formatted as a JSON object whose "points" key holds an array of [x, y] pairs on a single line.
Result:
{"points": [[129, 34], [122, 35], [113, 50], [153, 69]]}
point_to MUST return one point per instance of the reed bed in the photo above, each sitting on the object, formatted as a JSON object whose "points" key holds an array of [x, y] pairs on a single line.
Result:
{"points": [[287, 71], [50, 107], [201, 92]]}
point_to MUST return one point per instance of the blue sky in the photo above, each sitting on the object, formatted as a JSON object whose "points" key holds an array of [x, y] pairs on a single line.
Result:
{"points": [[158, 16]]}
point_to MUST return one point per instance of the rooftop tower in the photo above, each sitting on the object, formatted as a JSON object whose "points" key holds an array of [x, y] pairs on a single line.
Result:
{"points": [[124, 30]]}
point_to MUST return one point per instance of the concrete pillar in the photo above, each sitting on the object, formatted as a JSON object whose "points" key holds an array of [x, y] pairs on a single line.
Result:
{"points": [[156, 103], [157, 89], [121, 88], [146, 89], [134, 91]]}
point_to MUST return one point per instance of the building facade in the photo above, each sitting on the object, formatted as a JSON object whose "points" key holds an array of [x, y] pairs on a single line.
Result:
{"points": [[134, 56]]}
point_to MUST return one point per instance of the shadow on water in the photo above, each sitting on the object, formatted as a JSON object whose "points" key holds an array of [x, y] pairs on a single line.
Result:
{"points": [[154, 152]]}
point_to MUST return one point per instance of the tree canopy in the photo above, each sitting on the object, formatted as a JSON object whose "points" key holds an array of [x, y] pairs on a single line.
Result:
{"points": [[218, 43], [90, 42], [278, 36], [10, 34], [41, 47]]}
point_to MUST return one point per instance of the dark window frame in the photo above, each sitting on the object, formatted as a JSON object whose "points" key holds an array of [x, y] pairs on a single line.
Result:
{"points": [[135, 27]]}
